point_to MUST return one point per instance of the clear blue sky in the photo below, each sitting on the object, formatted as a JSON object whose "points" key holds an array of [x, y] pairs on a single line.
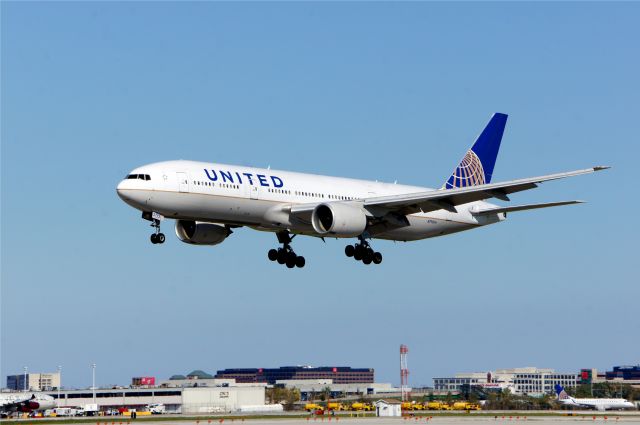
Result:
{"points": [[371, 90]]}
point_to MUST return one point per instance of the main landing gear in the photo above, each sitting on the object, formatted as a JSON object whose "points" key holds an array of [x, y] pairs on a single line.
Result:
{"points": [[285, 255], [157, 237], [362, 251]]}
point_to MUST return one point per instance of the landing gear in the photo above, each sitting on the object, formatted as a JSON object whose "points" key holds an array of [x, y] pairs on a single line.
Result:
{"points": [[157, 237], [285, 255], [362, 251]]}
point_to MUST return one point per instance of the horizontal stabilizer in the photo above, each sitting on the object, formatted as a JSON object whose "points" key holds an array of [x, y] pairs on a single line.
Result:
{"points": [[523, 207]]}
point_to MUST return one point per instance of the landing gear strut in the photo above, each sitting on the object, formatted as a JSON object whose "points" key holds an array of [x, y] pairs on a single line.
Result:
{"points": [[157, 237], [285, 255], [362, 251]]}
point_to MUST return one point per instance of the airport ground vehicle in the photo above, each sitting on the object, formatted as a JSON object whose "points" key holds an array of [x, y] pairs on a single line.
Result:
{"points": [[336, 406], [437, 405], [358, 406], [157, 408], [465, 405], [310, 407]]}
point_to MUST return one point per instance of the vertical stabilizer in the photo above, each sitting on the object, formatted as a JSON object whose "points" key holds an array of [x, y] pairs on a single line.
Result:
{"points": [[476, 167]]}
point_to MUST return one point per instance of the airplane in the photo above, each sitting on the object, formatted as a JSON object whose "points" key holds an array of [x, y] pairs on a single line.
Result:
{"points": [[209, 200], [24, 402], [600, 404]]}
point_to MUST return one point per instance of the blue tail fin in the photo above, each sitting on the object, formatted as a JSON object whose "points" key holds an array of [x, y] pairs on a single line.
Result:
{"points": [[476, 167]]}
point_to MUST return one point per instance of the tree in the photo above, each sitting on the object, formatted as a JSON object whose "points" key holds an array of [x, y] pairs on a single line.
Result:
{"points": [[291, 396]]}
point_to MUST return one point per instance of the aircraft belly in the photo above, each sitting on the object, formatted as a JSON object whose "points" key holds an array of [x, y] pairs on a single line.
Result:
{"points": [[215, 208], [424, 227]]}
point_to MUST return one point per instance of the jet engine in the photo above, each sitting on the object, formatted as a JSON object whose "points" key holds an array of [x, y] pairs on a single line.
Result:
{"points": [[198, 233], [338, 219]]}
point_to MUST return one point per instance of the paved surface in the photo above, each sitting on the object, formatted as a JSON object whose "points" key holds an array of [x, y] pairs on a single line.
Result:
{"points": [[465, 420]]}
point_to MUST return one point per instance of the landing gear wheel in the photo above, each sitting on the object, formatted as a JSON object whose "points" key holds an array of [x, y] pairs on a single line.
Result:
{"points": [[367, 258], [377, 258], [286, 255], [362, 251], [154, 238], [349, 250], [358, 253], [282, 256], [160, 237]]}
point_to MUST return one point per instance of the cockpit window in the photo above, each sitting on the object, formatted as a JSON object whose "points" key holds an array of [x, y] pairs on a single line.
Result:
{"points": [[138, 177]]}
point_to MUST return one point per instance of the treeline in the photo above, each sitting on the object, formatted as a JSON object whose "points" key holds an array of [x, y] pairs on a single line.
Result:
{"points": [[285, 396]]}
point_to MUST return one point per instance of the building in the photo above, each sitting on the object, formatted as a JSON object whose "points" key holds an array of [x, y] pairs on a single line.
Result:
{"points": [[311, 389], [624, 373], [143, 381], [190, 400], [34, 381], [338, 375], [389, 407], [526, 380]]}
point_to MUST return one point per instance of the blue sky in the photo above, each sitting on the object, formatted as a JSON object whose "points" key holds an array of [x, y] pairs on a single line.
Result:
{"points": [[387, 91]]}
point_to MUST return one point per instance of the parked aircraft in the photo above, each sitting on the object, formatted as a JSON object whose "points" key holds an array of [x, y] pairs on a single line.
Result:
{"points": [[592, 403], [24, 402], [208, 200]]}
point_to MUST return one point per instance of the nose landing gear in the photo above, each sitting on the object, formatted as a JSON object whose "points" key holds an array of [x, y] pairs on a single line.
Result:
{"points": [[286, 255], [157, 237], [362, 251]]}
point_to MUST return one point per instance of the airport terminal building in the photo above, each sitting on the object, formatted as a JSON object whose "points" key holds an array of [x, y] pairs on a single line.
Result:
{"points": [[526, 380]]}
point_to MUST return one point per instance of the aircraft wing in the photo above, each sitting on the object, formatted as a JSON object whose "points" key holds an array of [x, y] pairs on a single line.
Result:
{"points": [[495, 210], [448, 198]]}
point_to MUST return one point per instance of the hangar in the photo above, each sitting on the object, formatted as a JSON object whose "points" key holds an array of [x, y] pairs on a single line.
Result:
{"points": [[177, 400]]}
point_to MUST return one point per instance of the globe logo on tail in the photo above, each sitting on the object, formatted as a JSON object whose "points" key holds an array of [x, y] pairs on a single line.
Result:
{"points": [[469, 173]]}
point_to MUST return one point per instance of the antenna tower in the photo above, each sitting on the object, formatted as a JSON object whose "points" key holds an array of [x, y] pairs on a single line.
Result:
{"points": [[404, 373]]}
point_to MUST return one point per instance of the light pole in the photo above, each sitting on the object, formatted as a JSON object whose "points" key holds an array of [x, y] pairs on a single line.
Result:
{"points": [[93, 368], [59, 382], [25, 379]]}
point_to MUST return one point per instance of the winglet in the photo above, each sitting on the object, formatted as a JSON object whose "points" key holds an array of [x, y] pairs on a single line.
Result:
{"points": [[601, 167], [476, 167]]}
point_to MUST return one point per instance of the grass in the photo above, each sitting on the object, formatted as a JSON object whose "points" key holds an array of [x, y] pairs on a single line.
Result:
{"points": [[218, 419]]}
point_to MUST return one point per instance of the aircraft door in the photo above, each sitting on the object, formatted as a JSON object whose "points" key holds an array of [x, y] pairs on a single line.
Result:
{"points": [[254, 192], [183, 182]]}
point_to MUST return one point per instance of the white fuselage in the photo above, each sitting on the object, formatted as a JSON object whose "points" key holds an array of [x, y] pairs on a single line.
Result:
{"points": [[25, 402], [599, 403], [262, 198]]}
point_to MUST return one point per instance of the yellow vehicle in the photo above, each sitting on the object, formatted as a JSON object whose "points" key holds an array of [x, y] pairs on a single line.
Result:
{"points": [[465, 405], [419, 406], [336, 406], [361, 406], [437, 405], [312, 407], [406, 405]]}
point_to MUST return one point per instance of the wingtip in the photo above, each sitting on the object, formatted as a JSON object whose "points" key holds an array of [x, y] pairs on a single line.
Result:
{"points": [[601, 167]]}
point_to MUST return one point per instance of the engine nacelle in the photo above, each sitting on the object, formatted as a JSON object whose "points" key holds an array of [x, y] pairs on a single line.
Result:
{"points": [[197, 233], [338, 219]]}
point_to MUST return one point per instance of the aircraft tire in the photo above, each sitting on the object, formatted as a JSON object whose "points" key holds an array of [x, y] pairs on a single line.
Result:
{"points": [[377, 258], [160, 238], [349, 250], [282, 256], [367, 258], [291, 262], [154, 238], [300, 262], [273, 255]]}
